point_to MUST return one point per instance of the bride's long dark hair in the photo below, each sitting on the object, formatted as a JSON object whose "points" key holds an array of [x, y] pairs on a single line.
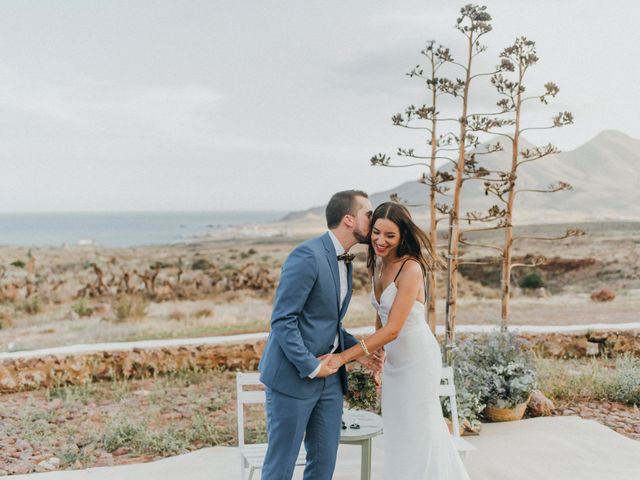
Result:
{"points": [[413, 241]]}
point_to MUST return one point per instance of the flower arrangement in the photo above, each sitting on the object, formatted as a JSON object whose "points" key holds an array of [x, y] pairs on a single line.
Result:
{"points": [[493, 370], [511, 384], [363, 393]]}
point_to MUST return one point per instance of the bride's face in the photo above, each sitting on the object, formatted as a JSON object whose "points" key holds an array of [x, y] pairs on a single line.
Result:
{"points": [[385, 237]]}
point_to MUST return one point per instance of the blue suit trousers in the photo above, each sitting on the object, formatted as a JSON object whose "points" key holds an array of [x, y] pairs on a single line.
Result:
{"points": [[316, 419]]}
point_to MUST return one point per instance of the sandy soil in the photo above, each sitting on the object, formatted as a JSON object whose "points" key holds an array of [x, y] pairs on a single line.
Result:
{"points": [[607, 257]]}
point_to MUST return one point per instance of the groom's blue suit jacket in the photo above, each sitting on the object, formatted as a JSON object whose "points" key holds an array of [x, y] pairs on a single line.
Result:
{"points": [[305, 319]]}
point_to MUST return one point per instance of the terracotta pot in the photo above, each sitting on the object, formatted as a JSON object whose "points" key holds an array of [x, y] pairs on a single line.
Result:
{"points": [[495, 414]]}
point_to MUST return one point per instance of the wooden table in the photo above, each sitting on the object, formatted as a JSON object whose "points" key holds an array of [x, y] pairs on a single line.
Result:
{"points": [[370, 426]]}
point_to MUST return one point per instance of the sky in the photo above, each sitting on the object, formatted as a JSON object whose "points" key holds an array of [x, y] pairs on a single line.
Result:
{"points": [[265, 105]]}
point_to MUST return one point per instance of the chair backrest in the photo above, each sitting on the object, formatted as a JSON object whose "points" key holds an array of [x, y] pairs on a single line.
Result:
{"points": [[247, 397], [448, 389]]}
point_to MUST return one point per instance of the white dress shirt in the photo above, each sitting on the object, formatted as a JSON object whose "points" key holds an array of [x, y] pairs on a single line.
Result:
{"points": [[344, 286]]}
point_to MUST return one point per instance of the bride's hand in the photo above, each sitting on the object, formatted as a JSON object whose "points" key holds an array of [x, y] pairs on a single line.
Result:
{"points": [[373, 362], [335, 361]]}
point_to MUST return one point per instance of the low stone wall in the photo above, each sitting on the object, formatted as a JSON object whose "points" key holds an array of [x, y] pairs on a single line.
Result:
{"points": [[75, 369], [592, 344], [56, 370]]}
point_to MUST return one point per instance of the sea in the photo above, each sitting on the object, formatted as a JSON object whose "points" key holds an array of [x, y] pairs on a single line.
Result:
{"points": [[122, 229]]}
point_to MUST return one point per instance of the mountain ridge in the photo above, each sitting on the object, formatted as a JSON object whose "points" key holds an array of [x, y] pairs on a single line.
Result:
{"points": [[604, 173]]}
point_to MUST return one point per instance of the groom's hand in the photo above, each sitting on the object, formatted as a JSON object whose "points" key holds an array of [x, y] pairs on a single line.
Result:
{"points": [[327, 366]]}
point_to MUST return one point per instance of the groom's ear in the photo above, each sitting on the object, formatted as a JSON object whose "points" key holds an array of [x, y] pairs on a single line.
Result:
{"points": [[348, 220]]}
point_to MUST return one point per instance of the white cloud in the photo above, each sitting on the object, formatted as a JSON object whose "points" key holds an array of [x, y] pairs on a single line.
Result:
{"points": [[225, 105]]}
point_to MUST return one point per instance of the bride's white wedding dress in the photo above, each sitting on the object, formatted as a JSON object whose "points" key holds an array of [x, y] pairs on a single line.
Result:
{"points": [[417, 443]]}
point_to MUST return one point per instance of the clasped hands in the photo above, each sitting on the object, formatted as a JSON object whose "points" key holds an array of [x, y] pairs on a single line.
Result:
{"points": [[331, 363]]}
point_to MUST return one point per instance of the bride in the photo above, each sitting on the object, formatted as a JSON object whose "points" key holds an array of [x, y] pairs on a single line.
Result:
{"points": [[417, 444]]}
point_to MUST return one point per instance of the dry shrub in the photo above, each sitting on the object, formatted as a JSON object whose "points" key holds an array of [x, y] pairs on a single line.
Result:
{"points": [[177, 315], [604, 295], [5, 320], [31, 306], [128, 307], [203, 313], [82, 308]]}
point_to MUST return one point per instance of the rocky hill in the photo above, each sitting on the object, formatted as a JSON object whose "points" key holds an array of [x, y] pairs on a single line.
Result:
{"points": [[604, 173]]}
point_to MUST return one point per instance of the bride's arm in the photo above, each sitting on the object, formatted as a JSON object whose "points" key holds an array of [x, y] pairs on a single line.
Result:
{"points": [[409, 283]]}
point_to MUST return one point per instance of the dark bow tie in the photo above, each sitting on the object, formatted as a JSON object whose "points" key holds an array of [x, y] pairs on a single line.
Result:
{"points": [[346, 257]]}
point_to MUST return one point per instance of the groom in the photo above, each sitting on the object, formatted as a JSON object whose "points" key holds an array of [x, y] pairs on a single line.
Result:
{"points": [[304, 396]]}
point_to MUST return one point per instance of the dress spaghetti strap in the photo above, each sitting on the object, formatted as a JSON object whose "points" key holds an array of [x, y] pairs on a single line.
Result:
{"points": [[401, 266], [424, 278]]}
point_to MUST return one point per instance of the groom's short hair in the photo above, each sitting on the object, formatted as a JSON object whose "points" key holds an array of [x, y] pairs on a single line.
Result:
{"points": [[341, 204]]}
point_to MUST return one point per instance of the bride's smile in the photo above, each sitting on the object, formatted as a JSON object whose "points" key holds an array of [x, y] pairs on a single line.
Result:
{"points": [[385, 237]]}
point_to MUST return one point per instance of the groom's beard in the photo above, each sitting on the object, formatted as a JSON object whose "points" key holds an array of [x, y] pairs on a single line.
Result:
{"points": [[361, 237]]}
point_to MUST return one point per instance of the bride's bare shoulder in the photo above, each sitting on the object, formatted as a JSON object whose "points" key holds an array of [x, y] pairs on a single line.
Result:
{"points": [[410, 271]]}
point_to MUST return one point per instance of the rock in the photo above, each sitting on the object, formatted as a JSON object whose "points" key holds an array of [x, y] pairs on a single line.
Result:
{"points": [[577, 348], [540, 292], [81, 368], [25, 455], [7, 380], [598, 337], [22, 444], [604, 295], [48, 465], [593, 348], [539, 405], [20, 468], [73, 316]]}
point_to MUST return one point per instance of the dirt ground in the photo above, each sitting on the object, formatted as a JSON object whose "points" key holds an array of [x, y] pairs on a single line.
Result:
{"points": [[226, 286], [115, 423]]}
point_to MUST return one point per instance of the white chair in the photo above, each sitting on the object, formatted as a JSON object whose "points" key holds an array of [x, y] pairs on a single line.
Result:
{"points": [[448, 389], [252, 455]]}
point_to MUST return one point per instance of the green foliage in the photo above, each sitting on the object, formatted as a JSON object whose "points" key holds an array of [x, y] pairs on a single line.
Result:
{"points": [[616, 381], [363, 394], [532, 280], [169, 441], [31, 305], [82, 308], [128, 306], [624, 384], [201, 264], [5, 320], [492, 369], [511, 384], [468, 401], [256, 434], [78, 452], [72, 393], [122, 432], [216, 404], [207, 432], [18, 264]]}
